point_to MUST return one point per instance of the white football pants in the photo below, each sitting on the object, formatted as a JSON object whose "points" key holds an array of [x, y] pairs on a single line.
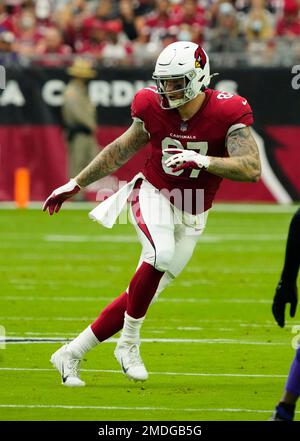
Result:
{"points": [[167, 234]]}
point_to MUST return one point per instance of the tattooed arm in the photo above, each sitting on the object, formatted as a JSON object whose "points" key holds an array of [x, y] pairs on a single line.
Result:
{"points": [[107, 161], [243, 163], [114, 155]]}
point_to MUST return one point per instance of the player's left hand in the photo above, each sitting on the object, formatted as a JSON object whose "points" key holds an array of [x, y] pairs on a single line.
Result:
{"points": [[182, 159], [284, 294], [58, 196]]}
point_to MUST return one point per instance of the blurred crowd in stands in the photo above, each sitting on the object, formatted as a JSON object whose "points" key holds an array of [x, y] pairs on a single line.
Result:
{"points": [[133, 32]]}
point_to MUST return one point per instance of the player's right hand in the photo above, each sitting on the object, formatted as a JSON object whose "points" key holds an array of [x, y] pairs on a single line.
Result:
{"points": [[58, 196], [285, 293], [182, 159]]}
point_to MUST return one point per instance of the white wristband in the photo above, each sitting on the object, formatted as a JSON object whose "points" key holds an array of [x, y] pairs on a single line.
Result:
{"points": [[204, 161], [75, 182]]}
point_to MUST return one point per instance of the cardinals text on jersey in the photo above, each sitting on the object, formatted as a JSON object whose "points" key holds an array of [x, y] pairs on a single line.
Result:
{"points": [[204, 133]]}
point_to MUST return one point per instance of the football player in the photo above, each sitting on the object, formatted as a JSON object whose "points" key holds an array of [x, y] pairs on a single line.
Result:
{"points": [[198, 136], [286, 292]]}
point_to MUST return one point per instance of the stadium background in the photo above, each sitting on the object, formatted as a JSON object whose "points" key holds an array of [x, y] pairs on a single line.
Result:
{"points": [[255, 48]]}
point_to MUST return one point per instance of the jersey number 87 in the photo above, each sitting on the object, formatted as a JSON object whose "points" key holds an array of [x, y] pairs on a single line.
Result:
{"points": [[197, 146]]}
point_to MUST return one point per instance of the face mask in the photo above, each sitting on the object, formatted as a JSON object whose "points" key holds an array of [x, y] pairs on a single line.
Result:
{"points": [[184, 36], [42, 9], [27, 22], [256, 26]]}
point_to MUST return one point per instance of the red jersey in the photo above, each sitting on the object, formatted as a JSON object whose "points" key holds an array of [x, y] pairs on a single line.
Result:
{"points": [[205, 133]]}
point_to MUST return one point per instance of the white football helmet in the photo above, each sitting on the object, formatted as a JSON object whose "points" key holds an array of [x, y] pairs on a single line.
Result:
{"points": [[182, 59]]}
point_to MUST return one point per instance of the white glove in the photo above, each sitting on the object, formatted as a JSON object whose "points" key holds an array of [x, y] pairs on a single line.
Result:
{"points": [[59, 195], [182, 159]]}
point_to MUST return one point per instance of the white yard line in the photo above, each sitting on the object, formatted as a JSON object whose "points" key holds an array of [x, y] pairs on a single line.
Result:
{"points": [[56, 299], [29, 340], [183, 374], [194, 269], [239, 322], [171, 409], [161, 299], [33, 284], [108, 238], [254, 208], [218, 207], [149, 329], [46, 319]]}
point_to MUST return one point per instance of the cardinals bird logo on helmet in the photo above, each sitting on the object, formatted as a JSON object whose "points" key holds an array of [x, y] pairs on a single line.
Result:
{"points": [[200, 57]]}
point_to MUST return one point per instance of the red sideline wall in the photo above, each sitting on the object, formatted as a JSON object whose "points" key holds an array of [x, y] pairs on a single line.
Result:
{"points": [[31, 132]]}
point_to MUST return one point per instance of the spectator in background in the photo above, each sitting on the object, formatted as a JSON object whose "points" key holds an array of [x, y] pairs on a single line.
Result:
{"points": [[156, 23], [287, 33], [226, 36], [77, 19], [70, 19], [27, 35], [7, 17], [51, 49], [289, 25], [79, 116], [128, 19], [43, 14], [189, 18], [95, 41], [143, 7], [244, 6], [93, 29], [65, 13], [145, 52], [154, 29], [107, 9], [212, 11], [167, 38], [8, 56], [259, 29], [117, 49], [259, 22]]}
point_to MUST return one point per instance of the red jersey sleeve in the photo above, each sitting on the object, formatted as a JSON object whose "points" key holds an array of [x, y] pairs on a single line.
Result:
{"points": [[137, 106], [235, 111], [141, 103]]}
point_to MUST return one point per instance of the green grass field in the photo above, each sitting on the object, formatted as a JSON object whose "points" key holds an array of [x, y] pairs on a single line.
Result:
{"points": [[210, 344]]}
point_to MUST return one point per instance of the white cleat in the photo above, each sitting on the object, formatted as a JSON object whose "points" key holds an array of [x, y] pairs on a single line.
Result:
{"points": [[67, 366], [128, 355]]}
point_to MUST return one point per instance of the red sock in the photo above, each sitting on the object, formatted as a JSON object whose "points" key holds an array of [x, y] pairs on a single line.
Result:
{"points": [[142, 289], [111, 319]]}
